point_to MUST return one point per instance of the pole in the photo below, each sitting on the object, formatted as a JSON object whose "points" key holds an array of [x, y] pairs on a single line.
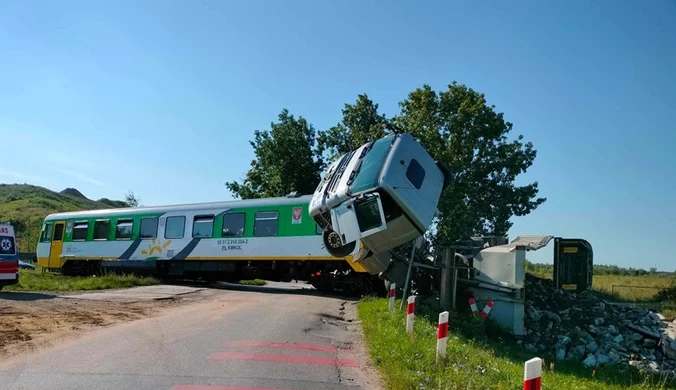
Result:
{"points": [[442, 335], [532, 374], [408, 275], [454, 287], [410, 313], [393, 288], [446, 276]]}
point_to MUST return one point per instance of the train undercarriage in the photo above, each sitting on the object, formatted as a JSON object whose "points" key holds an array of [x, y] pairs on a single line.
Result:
{"points": [[326, 275]]}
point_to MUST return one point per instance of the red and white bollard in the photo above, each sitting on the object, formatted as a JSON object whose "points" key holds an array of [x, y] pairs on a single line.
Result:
{"points": [[442, 335], [410, 313], [472, 304], [532, 374], [487, 309], [392, 293]]}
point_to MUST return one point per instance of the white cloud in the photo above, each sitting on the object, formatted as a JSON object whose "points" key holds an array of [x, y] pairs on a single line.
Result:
{"points": [[82, 177]]}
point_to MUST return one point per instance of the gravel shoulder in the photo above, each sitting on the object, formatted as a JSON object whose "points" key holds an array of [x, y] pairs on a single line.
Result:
{"points": [[31, 321]]}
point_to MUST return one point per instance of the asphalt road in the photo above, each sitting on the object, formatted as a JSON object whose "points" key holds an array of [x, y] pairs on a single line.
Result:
{"points": [[230, 340]]}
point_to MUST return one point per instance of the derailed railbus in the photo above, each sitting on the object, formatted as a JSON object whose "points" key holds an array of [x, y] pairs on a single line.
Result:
{"points": [[9, 256], [272, 238], [384, 194]]}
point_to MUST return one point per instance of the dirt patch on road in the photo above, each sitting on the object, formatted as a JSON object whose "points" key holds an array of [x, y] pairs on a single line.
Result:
{"points": [[32, 320]]}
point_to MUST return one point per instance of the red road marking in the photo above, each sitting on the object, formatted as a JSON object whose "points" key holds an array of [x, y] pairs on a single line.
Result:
{"points": [[296, 359], [267, 344], [193, 387]]}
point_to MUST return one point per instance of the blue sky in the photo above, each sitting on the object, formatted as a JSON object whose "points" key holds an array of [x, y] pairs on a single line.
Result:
{"points": [[161, 97]]}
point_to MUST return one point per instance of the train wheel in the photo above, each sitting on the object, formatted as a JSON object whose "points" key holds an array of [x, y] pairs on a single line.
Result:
{"points": [[335, 247]]}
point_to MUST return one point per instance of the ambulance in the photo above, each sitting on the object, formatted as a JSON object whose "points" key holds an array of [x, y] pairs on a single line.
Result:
{"points": [[9, 256]]}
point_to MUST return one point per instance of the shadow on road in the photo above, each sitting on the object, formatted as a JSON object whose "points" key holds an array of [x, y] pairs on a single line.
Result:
{"points": [[292, 289], [25, 296]]}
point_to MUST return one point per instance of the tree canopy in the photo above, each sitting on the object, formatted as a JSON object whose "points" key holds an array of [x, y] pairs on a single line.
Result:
{"points": [[287, 160], [456, 126]]}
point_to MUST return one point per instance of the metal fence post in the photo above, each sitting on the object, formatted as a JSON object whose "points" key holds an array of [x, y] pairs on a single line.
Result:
{"points": [[446, 279], [408, 275]]}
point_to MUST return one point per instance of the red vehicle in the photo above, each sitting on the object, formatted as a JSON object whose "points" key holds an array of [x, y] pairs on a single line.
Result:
{"points": [[9, 257]]}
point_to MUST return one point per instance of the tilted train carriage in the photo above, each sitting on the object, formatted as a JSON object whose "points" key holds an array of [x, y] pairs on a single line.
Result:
{"points": [[272, 238]]}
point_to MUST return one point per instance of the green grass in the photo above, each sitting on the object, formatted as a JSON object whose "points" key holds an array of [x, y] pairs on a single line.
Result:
{"points": [[30, 280], [255, 282], [649, 286], [480, 356]]}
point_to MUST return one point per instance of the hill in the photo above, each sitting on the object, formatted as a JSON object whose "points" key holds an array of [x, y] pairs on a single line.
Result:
{"points": [[27, 205], [73, 192]]}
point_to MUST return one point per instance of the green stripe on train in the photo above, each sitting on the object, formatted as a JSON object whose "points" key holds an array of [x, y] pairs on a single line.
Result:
{"points": [[285, 225]]}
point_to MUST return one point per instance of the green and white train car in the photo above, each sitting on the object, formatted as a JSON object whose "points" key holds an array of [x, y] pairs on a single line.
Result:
{"points": [[273, 238]]}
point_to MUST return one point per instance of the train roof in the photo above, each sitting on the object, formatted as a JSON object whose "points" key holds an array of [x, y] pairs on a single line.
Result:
{"points": [[287, 200]]}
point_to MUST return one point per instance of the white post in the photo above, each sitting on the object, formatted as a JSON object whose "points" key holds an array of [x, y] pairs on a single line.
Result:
{"points": [[442, 335], [393, 286], [532, 373], [410, 313]]}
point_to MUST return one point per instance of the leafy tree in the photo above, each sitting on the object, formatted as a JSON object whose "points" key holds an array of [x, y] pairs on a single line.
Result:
{"points": [[361, 123], [456, 126], [286, 160], [18, 225], [131, 199], [459, 129]]}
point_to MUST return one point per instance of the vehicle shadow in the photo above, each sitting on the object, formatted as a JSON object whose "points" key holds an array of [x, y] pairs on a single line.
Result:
{"points": [[25, 296], [295, 290]]}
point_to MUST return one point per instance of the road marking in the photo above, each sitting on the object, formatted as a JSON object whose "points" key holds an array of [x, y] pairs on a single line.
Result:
{"points": [[193, 387], [307, 347], [296, 359]]}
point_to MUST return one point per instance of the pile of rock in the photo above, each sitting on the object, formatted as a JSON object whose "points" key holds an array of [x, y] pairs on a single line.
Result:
{"points": [[583, 327]]}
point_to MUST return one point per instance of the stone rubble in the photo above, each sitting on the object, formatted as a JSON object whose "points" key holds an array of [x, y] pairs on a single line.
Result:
{"points": [[563, 325]]}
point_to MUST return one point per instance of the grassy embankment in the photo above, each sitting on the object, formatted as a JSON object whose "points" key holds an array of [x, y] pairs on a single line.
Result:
{"points": [[480, 356], [255, 282], [30, 280]]}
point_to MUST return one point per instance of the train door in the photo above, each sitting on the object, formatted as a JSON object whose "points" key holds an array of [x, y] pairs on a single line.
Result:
{"points": [[56, 246]]}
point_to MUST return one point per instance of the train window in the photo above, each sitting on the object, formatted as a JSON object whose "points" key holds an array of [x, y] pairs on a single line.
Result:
{"points": [[233, 225], [101, 228], [46, 235], [174, 228], [415, 173], [80, 230], [124, 229], [148, 227], [266, 223], [203, 226]]}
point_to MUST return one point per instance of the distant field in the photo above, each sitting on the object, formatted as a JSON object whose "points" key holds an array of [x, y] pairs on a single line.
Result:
{"points": [[648, 286], [640, 290]]}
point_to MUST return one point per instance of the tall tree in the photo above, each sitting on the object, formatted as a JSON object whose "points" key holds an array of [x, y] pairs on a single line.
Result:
{"points": [[458, 128], [286, 160], [361, 123]]}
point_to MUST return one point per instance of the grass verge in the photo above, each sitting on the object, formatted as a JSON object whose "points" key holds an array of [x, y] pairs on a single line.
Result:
{"points": [[35, 280], [255, 282], [479, 356]]}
